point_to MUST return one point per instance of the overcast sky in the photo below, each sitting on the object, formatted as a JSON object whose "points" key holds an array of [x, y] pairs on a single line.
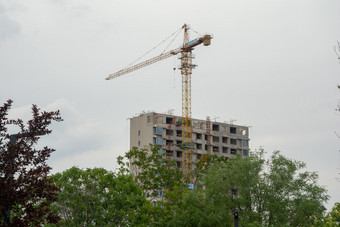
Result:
{"points": [[271, 66]]}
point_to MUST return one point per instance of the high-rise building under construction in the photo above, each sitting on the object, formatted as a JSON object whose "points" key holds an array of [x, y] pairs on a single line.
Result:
{"points": [[222, 139]]}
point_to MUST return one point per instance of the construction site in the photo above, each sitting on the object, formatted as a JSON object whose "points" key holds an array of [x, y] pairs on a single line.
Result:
{"points": [[183, 139]]}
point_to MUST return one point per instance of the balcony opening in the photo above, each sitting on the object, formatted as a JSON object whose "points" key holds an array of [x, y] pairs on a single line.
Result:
{"points": [[225, 150], [169, 142], [225, 139], [215, 149], [198, 146], [233, 151], [178, 133]]}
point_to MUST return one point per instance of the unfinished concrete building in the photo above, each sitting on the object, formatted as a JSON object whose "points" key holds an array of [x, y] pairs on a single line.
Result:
{"points": [[212, 137]]}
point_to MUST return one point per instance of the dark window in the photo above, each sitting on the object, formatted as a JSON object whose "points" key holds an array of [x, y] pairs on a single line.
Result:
{"points": [[215, 149], [245, 153], [215, 127], [225, 150], [199, 136], [138, 132], [179, 154], [199, 156], [199, 146], [233, 130], [216, 139], [169, 132], [233, 141], [233, 151], [170, 120], [169, 153], [179, 133], [224, 139], [169, 142]]}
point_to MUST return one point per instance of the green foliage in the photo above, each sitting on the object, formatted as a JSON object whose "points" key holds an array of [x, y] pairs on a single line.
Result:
{"points": [[25, 189], [275, 192], [152, 169], [99, 197]]}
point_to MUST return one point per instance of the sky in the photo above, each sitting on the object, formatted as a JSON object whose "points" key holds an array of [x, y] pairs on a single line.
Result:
{"points": [[270, 66]]}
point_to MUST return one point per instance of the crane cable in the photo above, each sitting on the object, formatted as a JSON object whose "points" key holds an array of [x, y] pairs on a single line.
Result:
{"points": [[171, 42], [156, 47]]}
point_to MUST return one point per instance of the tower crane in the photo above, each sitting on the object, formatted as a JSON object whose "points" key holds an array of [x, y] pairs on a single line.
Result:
{"points": [[186, 70]]}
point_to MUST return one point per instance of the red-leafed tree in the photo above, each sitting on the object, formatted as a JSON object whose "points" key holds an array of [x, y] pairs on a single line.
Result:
{"points": [[26, 190]]}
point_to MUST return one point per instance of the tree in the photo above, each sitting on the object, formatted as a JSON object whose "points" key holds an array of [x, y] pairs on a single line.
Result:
{"points": [[25, 189], [159, 178], [99, 197], [274, 192]]}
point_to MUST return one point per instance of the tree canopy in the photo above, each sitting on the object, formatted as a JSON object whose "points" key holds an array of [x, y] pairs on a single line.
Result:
{"points": [[274, 192], [99, 197], [25, 189]]}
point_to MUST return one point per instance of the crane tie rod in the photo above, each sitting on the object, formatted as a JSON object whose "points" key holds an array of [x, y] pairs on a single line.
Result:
{"points": [[155, 47]]}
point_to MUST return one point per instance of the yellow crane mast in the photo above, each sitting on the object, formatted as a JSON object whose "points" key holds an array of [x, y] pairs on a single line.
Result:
{"points": [[186, 71]]}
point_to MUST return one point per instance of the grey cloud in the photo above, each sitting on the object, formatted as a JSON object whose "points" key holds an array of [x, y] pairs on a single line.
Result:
{"points": [[8, 26]]}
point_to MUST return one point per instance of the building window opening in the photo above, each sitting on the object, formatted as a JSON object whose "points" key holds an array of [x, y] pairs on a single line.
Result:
{"points": [[224, 139], [178, 133], [199, 146], [225, 150], [199, 156], [245, 153], [138, 143], [233, 151], [158, 130], [138, 132], [169, 120], [245, 143], [215, 128], [158, 140], [233, 141], [216, 139], [169, 153], [169, 132], [233, 130], [169, 142], [215, 149], [199, 136], [179, 154], [179, 164]]}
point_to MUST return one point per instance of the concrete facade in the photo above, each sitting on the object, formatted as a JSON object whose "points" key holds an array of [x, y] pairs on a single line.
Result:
{"points": [[225, 139]]}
